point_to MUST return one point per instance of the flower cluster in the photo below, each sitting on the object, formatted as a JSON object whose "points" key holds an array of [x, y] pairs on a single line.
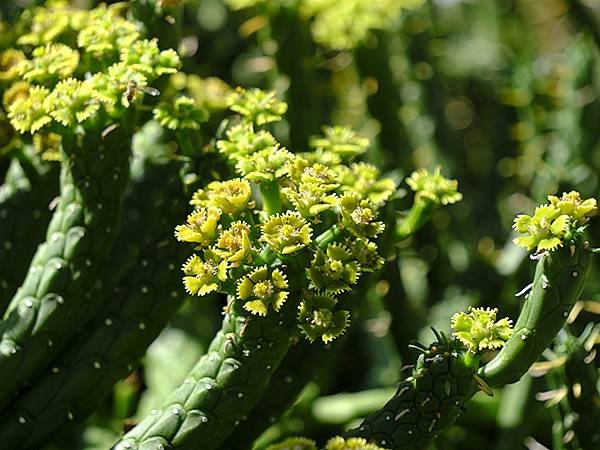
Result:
{"points": [[479, 331], [558, 222], [76, 65], [336, 443], [294, 231], [434, 187]]}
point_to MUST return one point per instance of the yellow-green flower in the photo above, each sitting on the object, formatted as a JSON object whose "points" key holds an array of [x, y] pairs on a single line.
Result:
{"points": [[317, 319], [478, 329], [555, 223], [366, 254], [201, 226], [310, 199], [10, 61], [265, 165], [72, 101], [359, 216], [574, 206], [242, 141], [434, 187], [342, 141], [27, 114], [181, 114], [286, 233], [259, 290], [204, 276], [234, 244], [323, 157], [231, 196], [17, 90], [49, 64], [366, 180], [105, 35], [256, 106], [339, 443], [45, 24], [302, 171], [334, 270], [294, 443], [145, 57]]}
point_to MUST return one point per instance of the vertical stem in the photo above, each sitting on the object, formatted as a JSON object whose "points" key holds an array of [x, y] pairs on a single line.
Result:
{"points": [[271, 197]]}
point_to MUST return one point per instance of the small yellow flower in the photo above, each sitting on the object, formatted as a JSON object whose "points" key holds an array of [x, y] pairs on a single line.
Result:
{"points": [[365, 179], [234, 244], [180, 114], [286, 233], [72, 101], [10, 60], [478, 329], [342, 141], [310, 199], [339, 443], [256, 106], [243, 141], [264, 165], [27, 114], [204, 276], [294, 443], [434, 187], [49, 64], [231, 196], [259, 290], [201, 226], [359, 216]]}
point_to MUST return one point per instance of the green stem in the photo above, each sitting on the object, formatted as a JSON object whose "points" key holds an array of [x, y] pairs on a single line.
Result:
{"points": [[419, 214], [271, 197]]}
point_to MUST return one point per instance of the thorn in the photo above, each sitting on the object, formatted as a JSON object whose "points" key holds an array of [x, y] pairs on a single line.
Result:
{"points": [[483, 386]]}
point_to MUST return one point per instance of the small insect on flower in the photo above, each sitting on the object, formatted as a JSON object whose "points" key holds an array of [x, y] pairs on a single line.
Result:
{"points": [[133, 87]]}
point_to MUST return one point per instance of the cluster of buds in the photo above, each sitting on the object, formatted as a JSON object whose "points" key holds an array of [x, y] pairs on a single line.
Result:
{"points": [[562, 220], [73, 70], [290, 231]]}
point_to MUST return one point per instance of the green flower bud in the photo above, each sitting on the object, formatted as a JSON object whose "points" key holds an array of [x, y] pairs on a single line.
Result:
{"points": [[358, 216], [204, 276], [334, 270], [434, 187], [479, 331], [342, 141], [256, 106], [366, 254], [317, 319], [234, 244], [259, 290], [286, 233], [182, 114], [201, 226]]}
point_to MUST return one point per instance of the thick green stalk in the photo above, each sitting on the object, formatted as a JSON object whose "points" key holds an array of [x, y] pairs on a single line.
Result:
{"points": [[29, 187], [293, 374], [223, 387], [426, 403], [557, 284], [135, 312], [63, 274]]}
